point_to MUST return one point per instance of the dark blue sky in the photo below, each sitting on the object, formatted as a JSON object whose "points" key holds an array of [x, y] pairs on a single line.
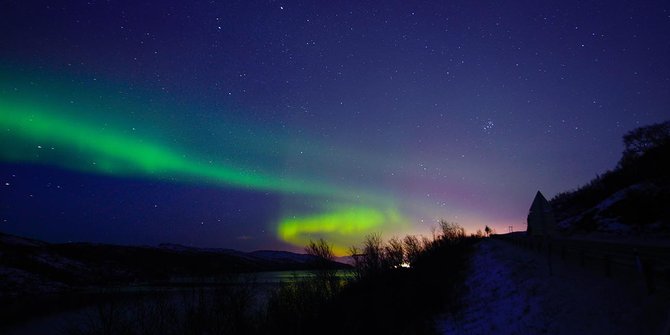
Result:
{"points": [[459, 110]]}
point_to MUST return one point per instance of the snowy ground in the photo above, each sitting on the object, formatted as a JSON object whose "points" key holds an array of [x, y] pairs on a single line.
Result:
{"points": [[509, 290]]}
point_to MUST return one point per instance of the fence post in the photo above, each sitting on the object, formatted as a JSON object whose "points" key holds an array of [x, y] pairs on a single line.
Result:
{"points": [[551, 270], [563, 252], [648, 273]]}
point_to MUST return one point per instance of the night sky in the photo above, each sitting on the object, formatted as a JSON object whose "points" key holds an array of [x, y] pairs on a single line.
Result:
{"points": [[262, 124]]}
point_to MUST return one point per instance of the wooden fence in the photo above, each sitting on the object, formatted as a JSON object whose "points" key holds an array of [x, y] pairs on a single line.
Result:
{"points": [[648, 263]]}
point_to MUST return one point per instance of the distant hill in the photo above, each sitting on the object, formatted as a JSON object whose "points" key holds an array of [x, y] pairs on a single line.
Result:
{"points": [[633, 198], [32, 266]]}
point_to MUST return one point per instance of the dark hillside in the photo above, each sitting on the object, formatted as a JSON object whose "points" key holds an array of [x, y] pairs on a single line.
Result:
{"points": [[30, 266], [633, 196]]}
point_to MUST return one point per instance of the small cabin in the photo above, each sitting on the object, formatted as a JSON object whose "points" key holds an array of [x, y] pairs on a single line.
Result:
{"points": [[540, 220]]}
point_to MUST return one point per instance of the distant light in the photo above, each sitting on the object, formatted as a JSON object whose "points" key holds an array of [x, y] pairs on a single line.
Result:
{"points": [[404, 265]]}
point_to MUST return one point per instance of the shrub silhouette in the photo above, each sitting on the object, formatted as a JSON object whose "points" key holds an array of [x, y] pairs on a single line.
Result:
{"points": [[384, 299], [412, 248], [394, 252]]}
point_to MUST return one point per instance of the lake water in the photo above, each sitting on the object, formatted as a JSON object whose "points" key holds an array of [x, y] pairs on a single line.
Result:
{"points": [[56, 313]]}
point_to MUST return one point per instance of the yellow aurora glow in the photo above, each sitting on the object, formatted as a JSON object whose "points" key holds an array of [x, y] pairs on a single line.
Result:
{"points": [[340, 227]]}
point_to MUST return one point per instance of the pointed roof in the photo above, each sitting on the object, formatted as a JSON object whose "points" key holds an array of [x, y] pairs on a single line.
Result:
{"points": [[539, 203]]}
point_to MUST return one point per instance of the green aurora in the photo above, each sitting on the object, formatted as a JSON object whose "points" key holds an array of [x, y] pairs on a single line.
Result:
{"points": [[120, 155], [53, 135]]}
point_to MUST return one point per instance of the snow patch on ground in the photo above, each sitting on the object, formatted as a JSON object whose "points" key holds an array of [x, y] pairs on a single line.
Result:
{"points": [[510, 290], [609, 225]]}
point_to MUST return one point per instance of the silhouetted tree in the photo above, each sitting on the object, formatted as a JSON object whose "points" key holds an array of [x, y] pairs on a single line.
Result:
{"points": [[640, 140], [373, 253], [320, 249], [326, 277], [412, 248], [488, 231], [426, 243], [451, 231], [358, 260], [395, 254]]}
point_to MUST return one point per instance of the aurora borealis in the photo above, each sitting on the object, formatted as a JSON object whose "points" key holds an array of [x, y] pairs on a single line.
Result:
{"points": [[114, 154], [74, 144], [54, 134], [262, 124], [339, 226]]}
